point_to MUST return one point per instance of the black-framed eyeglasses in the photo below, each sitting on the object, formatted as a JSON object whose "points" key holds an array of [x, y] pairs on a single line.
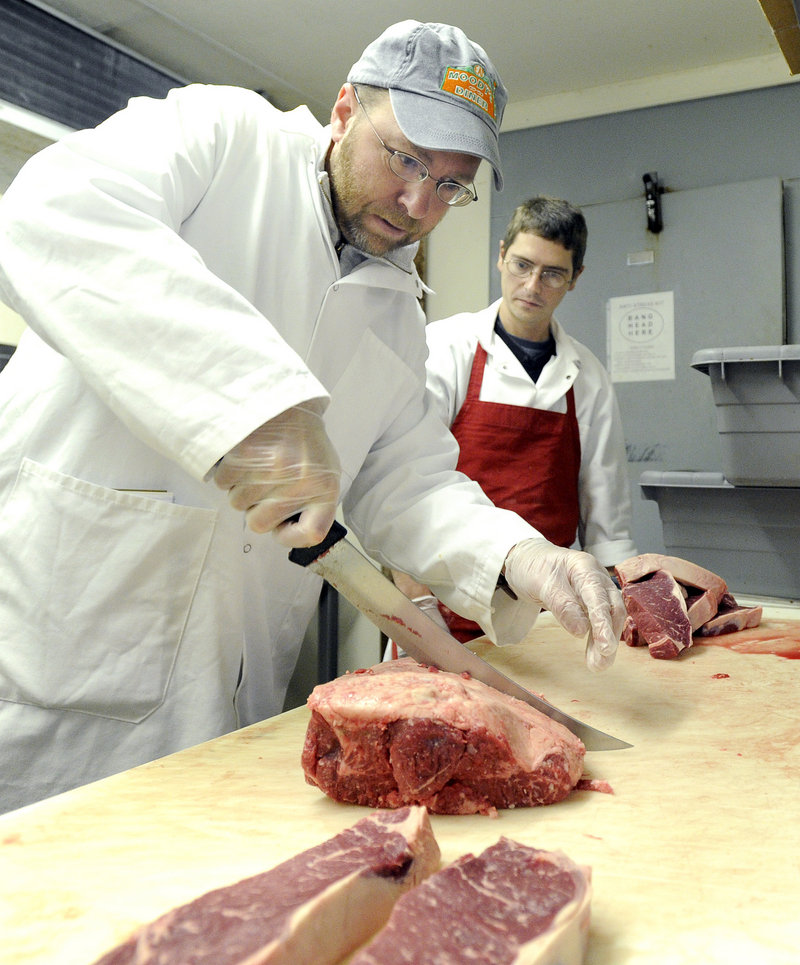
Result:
{"points": [[411, 169], [549, 277]]}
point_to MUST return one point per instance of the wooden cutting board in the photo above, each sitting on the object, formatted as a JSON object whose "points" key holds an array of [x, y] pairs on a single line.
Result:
{"points": [[695, 856]]}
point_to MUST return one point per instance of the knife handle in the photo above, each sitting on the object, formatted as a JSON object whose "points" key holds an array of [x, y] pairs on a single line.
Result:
{"points": [[304, 555]]}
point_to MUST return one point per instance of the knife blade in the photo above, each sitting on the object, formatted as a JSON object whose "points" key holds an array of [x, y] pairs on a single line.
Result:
{"points": [[362, 583]]}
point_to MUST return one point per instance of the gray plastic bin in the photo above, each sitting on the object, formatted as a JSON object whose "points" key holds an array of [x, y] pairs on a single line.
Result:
{"points": [[748, 535], [757, 394]]}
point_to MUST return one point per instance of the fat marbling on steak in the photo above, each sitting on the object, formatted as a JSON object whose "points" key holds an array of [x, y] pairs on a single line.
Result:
{"points": [[510, 905], [401, 733], [302, 911]]}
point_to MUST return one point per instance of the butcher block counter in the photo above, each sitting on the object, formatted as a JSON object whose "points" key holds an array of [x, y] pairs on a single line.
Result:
{"points": [[695, 855]]}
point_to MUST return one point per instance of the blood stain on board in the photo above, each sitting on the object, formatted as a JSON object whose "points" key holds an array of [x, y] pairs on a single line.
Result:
{"points": [[778, 637]]}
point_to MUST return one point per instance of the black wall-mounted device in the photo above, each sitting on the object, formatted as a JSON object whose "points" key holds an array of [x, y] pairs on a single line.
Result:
{"points": [[652, 197]]}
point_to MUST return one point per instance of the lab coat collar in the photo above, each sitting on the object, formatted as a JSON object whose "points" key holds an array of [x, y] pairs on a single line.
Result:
{"points": [[566, 361]]}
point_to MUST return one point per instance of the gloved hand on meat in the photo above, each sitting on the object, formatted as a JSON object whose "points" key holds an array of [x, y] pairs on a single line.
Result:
{"points": [[576, 589], [286, 468]]}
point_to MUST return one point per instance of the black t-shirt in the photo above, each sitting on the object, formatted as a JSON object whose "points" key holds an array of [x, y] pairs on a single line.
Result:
{"points": [[533, 356]]}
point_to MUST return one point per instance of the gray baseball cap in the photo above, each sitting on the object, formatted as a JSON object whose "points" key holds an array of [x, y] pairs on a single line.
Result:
{"points": [[445, 93]]}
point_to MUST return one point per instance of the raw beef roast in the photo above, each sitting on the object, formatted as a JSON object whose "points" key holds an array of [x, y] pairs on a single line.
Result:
{"points": [[668, 600], [302, 911], [511, 904], [401, 733]]}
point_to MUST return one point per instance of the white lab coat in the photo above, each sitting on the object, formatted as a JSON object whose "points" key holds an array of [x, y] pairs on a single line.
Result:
{"points": [[176, 269], [604, 529]]}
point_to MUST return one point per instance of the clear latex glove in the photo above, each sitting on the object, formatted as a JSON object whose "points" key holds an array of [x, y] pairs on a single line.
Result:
{"points": [[576, 589], [285, 477]]}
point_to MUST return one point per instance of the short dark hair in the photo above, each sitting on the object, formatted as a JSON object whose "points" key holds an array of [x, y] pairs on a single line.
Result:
{"points": [[553, 219]]}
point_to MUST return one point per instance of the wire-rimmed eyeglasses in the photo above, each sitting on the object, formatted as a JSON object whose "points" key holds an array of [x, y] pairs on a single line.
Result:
{"points": [[549, 277], [411, 169]]}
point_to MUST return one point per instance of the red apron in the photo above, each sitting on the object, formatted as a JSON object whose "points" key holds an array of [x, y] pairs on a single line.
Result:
{"points": [[526, 460]]}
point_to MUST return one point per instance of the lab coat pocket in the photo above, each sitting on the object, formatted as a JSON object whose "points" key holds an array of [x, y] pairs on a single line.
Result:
{"points": [[104, 641]]}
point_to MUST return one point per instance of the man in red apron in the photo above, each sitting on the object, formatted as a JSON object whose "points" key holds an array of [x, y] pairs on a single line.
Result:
{"points": [[533, 410]]}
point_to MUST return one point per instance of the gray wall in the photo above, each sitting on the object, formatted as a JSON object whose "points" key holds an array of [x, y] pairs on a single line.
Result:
{"points": [[712, 141], [730, 144]]}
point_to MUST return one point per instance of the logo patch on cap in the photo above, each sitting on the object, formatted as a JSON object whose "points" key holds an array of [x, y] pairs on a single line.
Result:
{"points": [[471, 84]]}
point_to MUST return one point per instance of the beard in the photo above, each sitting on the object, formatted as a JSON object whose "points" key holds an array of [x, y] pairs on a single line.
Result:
{"points": [[351, 209]]}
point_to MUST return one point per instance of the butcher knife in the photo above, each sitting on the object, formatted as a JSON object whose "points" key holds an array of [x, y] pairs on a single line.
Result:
{"points": [[362, 583]]}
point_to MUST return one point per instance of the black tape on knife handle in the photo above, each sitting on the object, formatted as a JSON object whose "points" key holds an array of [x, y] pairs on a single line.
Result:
{"points": [[304, 555]]}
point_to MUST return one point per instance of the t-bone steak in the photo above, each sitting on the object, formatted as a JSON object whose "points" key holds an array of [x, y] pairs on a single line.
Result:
{"points": [[510, 904], [303, 911], [401, 733]]}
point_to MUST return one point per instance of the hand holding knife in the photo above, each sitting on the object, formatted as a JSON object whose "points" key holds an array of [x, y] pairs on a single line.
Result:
{"points": [[363, 584]]}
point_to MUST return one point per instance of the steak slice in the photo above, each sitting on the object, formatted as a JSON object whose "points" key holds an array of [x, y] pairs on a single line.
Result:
{"points": [[630, 633], [401, 733], [302, 911], [657, 607], [684, 571], [654, 613], [701, 607], [730, 617], [510, 904]]}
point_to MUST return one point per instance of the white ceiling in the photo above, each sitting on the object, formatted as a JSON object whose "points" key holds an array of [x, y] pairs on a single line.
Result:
{"points": [[560, 59]]}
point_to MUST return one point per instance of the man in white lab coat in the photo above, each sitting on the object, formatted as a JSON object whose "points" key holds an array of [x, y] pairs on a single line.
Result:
{"points": [[225, 334]]}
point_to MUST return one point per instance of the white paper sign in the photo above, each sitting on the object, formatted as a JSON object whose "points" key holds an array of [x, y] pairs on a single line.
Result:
{"points": [[640, 334]]}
